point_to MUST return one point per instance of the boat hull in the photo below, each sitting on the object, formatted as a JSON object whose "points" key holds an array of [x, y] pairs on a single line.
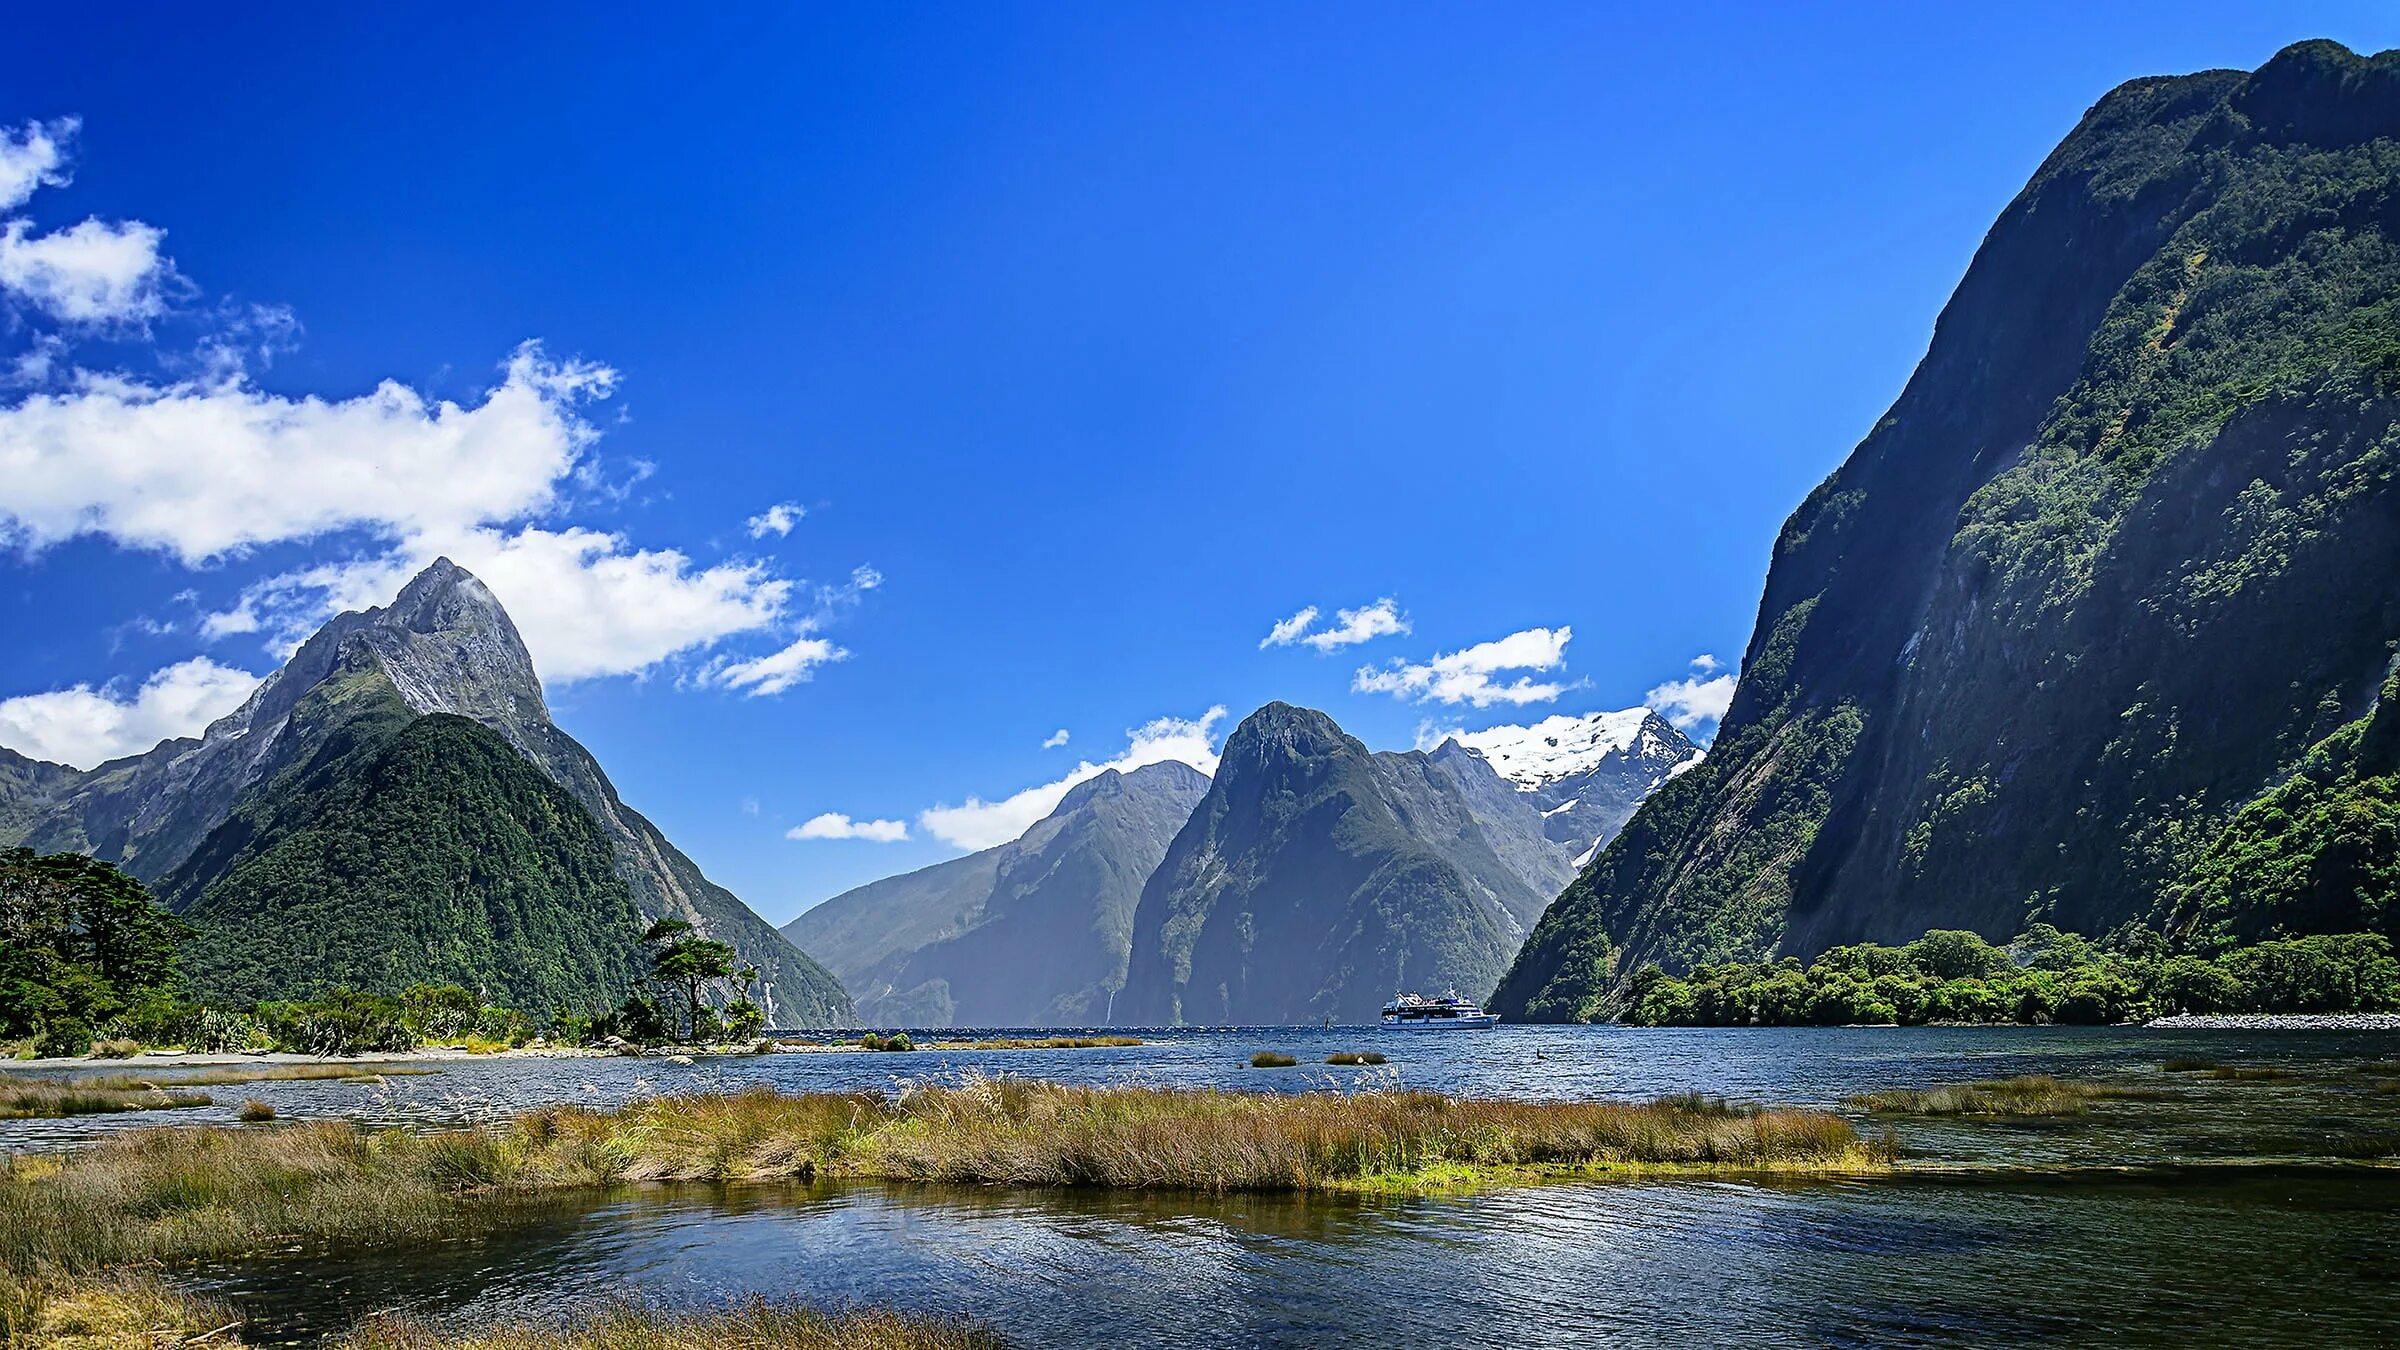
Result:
{"points": [[1479, 1022]]}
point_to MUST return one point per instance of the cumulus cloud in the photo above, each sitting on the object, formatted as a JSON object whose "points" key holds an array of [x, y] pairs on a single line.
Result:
{"points": [[776, 520], [33, 156], [93, 273], [199, 464], [1468, 676], [1350, 627], [203, 470], [978, 824], [1697, 701], [84, 726], [97, 272], [835, 825], [1055, 739]]}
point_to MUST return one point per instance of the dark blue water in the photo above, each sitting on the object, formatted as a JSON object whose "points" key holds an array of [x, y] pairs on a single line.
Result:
{"points": [[2144, 1223]]}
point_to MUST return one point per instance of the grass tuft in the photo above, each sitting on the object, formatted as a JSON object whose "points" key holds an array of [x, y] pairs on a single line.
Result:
{"points": [[29, 1099], [2189, 1066], [1355, 1057], [2031, 1095], [1269, 1059], [2258, 1073], [254, 1112], [121, 1311], [898, 1040]]}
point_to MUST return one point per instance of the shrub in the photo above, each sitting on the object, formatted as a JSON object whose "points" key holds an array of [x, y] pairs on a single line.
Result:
{"points": [[116, 1049], [898, 1040], [63, 1038], [344, 1022]]}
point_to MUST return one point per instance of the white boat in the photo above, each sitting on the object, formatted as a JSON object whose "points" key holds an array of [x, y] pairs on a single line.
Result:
{"points": [[1447, 1013]]}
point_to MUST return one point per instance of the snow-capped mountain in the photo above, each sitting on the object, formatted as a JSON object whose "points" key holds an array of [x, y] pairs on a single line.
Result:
{"points": [[1585, 773]]}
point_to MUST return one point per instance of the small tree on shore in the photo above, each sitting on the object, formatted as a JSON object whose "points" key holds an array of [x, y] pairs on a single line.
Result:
{"points": [[689, 965]]}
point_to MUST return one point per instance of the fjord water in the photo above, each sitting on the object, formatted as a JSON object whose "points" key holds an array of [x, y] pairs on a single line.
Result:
{"points": [[2220, 1211]]}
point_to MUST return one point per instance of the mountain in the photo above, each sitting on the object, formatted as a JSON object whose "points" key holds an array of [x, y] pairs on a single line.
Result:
{"points": [[1315, 879], [1584, 774], [325, 756], [1033, 932], [2099, 613]]}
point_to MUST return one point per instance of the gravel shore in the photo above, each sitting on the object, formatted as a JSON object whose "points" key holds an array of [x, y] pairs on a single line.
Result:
{"points": [[2278, 1022]]}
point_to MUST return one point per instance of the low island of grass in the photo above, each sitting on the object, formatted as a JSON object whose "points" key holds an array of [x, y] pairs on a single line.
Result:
{"points": [[71, 1223], [2029, 1095]]}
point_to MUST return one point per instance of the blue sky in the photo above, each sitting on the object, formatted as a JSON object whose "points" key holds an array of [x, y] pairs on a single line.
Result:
{"points": [[1082, 343]]}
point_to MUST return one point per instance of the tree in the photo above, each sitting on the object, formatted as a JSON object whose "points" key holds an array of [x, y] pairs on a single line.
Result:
{"points": [[80, 942], [690, 966]]}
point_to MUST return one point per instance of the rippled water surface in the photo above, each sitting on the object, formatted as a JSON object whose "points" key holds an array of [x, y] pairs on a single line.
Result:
{"points": [[2145, 1222]]}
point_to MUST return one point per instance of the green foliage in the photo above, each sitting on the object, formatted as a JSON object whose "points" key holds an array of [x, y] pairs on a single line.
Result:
{"points": [[341, 1022], [426, 851], [898, 1040], [2044, 976], [81, 944]]}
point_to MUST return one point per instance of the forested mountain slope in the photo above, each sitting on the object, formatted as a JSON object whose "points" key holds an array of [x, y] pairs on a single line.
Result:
{"points": [[2121, 554]]}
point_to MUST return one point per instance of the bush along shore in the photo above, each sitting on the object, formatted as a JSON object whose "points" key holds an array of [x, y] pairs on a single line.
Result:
{"points": [[2044, 976]]}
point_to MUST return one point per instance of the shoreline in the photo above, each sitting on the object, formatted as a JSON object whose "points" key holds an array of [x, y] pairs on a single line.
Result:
{"points": [[2275, 1022]]}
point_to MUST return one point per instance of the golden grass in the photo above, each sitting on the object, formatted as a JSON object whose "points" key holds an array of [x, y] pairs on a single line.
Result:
{"points": [[1355, 1057], [2031, 1095], [255, 1112], [1269, 1059], [122, 1311], [1041, 1043], [28, 1099], [182, 1193], [756, 1323]]}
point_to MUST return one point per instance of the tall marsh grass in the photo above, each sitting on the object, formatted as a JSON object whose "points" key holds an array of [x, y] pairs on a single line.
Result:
{"points": [[180, 1193]]}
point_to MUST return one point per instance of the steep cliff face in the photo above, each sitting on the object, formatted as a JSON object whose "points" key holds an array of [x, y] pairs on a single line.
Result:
{"points": [[2112, 564], [1315, 879], [1034, 932], [444, 646]]}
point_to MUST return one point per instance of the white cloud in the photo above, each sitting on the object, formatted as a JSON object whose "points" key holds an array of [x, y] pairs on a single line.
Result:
{"points": [[586, 602], [84, 726], [1055, 739], [776, 671], [1467, 676], [1698, 701], [200, 471], [1286, 633], [95, 272], [835, 825], [1350, 627], [979, 824], [776, 520], [33, 156]]}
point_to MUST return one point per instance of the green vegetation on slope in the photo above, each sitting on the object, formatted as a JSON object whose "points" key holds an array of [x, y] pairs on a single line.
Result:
{"points": [[2099, 578], [408, 849]]}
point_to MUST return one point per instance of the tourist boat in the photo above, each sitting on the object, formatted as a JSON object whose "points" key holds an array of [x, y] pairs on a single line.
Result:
{"points": [[1447, 1013]]}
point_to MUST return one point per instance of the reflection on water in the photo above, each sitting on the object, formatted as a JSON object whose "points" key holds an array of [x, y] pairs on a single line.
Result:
{"points": [[2181, 1249], [2255, 1260]]}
